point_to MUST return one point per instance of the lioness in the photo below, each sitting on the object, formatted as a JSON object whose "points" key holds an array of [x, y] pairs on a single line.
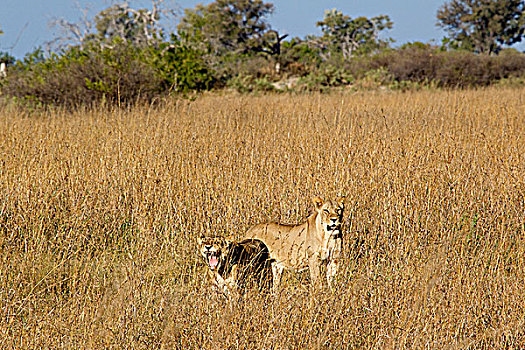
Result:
{"points": [[307, 245], [235, 266]]}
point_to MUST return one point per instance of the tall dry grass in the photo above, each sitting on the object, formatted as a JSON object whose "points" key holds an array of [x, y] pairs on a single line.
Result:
{"points": [[99, 211]]}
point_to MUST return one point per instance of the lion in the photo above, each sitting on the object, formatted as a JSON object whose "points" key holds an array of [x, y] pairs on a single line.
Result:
{"points": [[235, 266], [309, 245]]}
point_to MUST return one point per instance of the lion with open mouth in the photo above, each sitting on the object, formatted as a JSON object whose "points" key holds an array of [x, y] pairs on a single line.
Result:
{"points": [[235, 266]]}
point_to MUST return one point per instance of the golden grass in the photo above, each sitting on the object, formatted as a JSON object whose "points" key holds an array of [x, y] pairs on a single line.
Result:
{"points": [[99, 212]]}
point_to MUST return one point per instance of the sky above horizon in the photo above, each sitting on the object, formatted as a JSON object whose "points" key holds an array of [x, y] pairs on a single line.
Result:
{"points": [[25, 23]]}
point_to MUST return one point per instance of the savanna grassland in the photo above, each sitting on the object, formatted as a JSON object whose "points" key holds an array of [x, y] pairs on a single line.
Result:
{"points": [[100, 210]]}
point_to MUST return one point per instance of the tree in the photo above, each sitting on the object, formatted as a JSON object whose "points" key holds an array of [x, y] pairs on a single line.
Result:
{"points": [[137, 27], [345, 36], [228, 26], [483, 26]]}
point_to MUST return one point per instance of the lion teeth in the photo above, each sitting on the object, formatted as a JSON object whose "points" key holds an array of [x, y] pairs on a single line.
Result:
{"points": [[213, 261]]}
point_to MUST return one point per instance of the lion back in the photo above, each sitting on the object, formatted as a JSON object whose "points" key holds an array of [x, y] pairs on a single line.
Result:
{"points": [[253, 260]]}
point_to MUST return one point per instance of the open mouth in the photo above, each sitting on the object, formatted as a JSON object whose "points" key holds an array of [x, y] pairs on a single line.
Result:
{"points": [[213, 260]]}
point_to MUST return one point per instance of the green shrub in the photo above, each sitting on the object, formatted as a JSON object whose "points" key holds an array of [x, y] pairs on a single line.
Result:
{"points": [[83, 76], [120, 73], [181, 68], [325, 78], [298, 58], [244, 83]]}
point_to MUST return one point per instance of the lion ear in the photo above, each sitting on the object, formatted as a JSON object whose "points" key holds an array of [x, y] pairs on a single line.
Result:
{"points": [[318, 203], [200, 239], [228, 241]]}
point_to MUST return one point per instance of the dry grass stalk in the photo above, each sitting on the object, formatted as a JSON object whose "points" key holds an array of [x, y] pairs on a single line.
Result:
{"points": [[99, 211]]}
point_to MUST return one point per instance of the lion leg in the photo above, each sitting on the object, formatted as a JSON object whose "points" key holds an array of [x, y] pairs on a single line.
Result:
{"points": [[231, 284], [277, 271], [331, 271], [315, 271], [219, 284]]}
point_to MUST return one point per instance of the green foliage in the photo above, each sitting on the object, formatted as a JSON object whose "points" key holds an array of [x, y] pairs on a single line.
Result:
{"points": [[518, 82], [298, 57], [181, 68], [84, 75], [248, 83], [137, 27], [31, 59], [6, 58], [226, 26], [123, 61], [227, 32], [415, 44], [325, 78], [415, 67], [347, 37], [376, 78], [100, 86], [482, 26], [118, 73]]}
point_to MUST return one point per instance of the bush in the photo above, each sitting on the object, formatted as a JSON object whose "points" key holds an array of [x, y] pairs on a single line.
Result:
{"points": [[449, 69], [181, 68], [121, 74], [298, 58], [83, 76], [409, 64], [248, 83], [325, 78], [417, 65]]}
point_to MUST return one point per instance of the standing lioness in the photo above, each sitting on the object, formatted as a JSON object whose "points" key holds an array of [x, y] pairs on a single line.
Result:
{"points": [[308, 245]]}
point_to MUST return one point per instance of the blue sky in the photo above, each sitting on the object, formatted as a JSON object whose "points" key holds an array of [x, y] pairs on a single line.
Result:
{"points": [[26, 22]]}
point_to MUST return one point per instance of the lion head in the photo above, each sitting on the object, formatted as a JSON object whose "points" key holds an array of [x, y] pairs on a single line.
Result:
{"points": [[213, 250], [329, 215]]}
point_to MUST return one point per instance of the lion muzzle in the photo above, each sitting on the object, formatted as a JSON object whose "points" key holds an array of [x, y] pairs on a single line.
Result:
{"points": [[333, 227], [212, 257]]}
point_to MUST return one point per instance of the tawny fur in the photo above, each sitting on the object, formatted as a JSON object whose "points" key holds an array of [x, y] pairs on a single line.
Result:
{"points": [[308, 245], [244, 264]]}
